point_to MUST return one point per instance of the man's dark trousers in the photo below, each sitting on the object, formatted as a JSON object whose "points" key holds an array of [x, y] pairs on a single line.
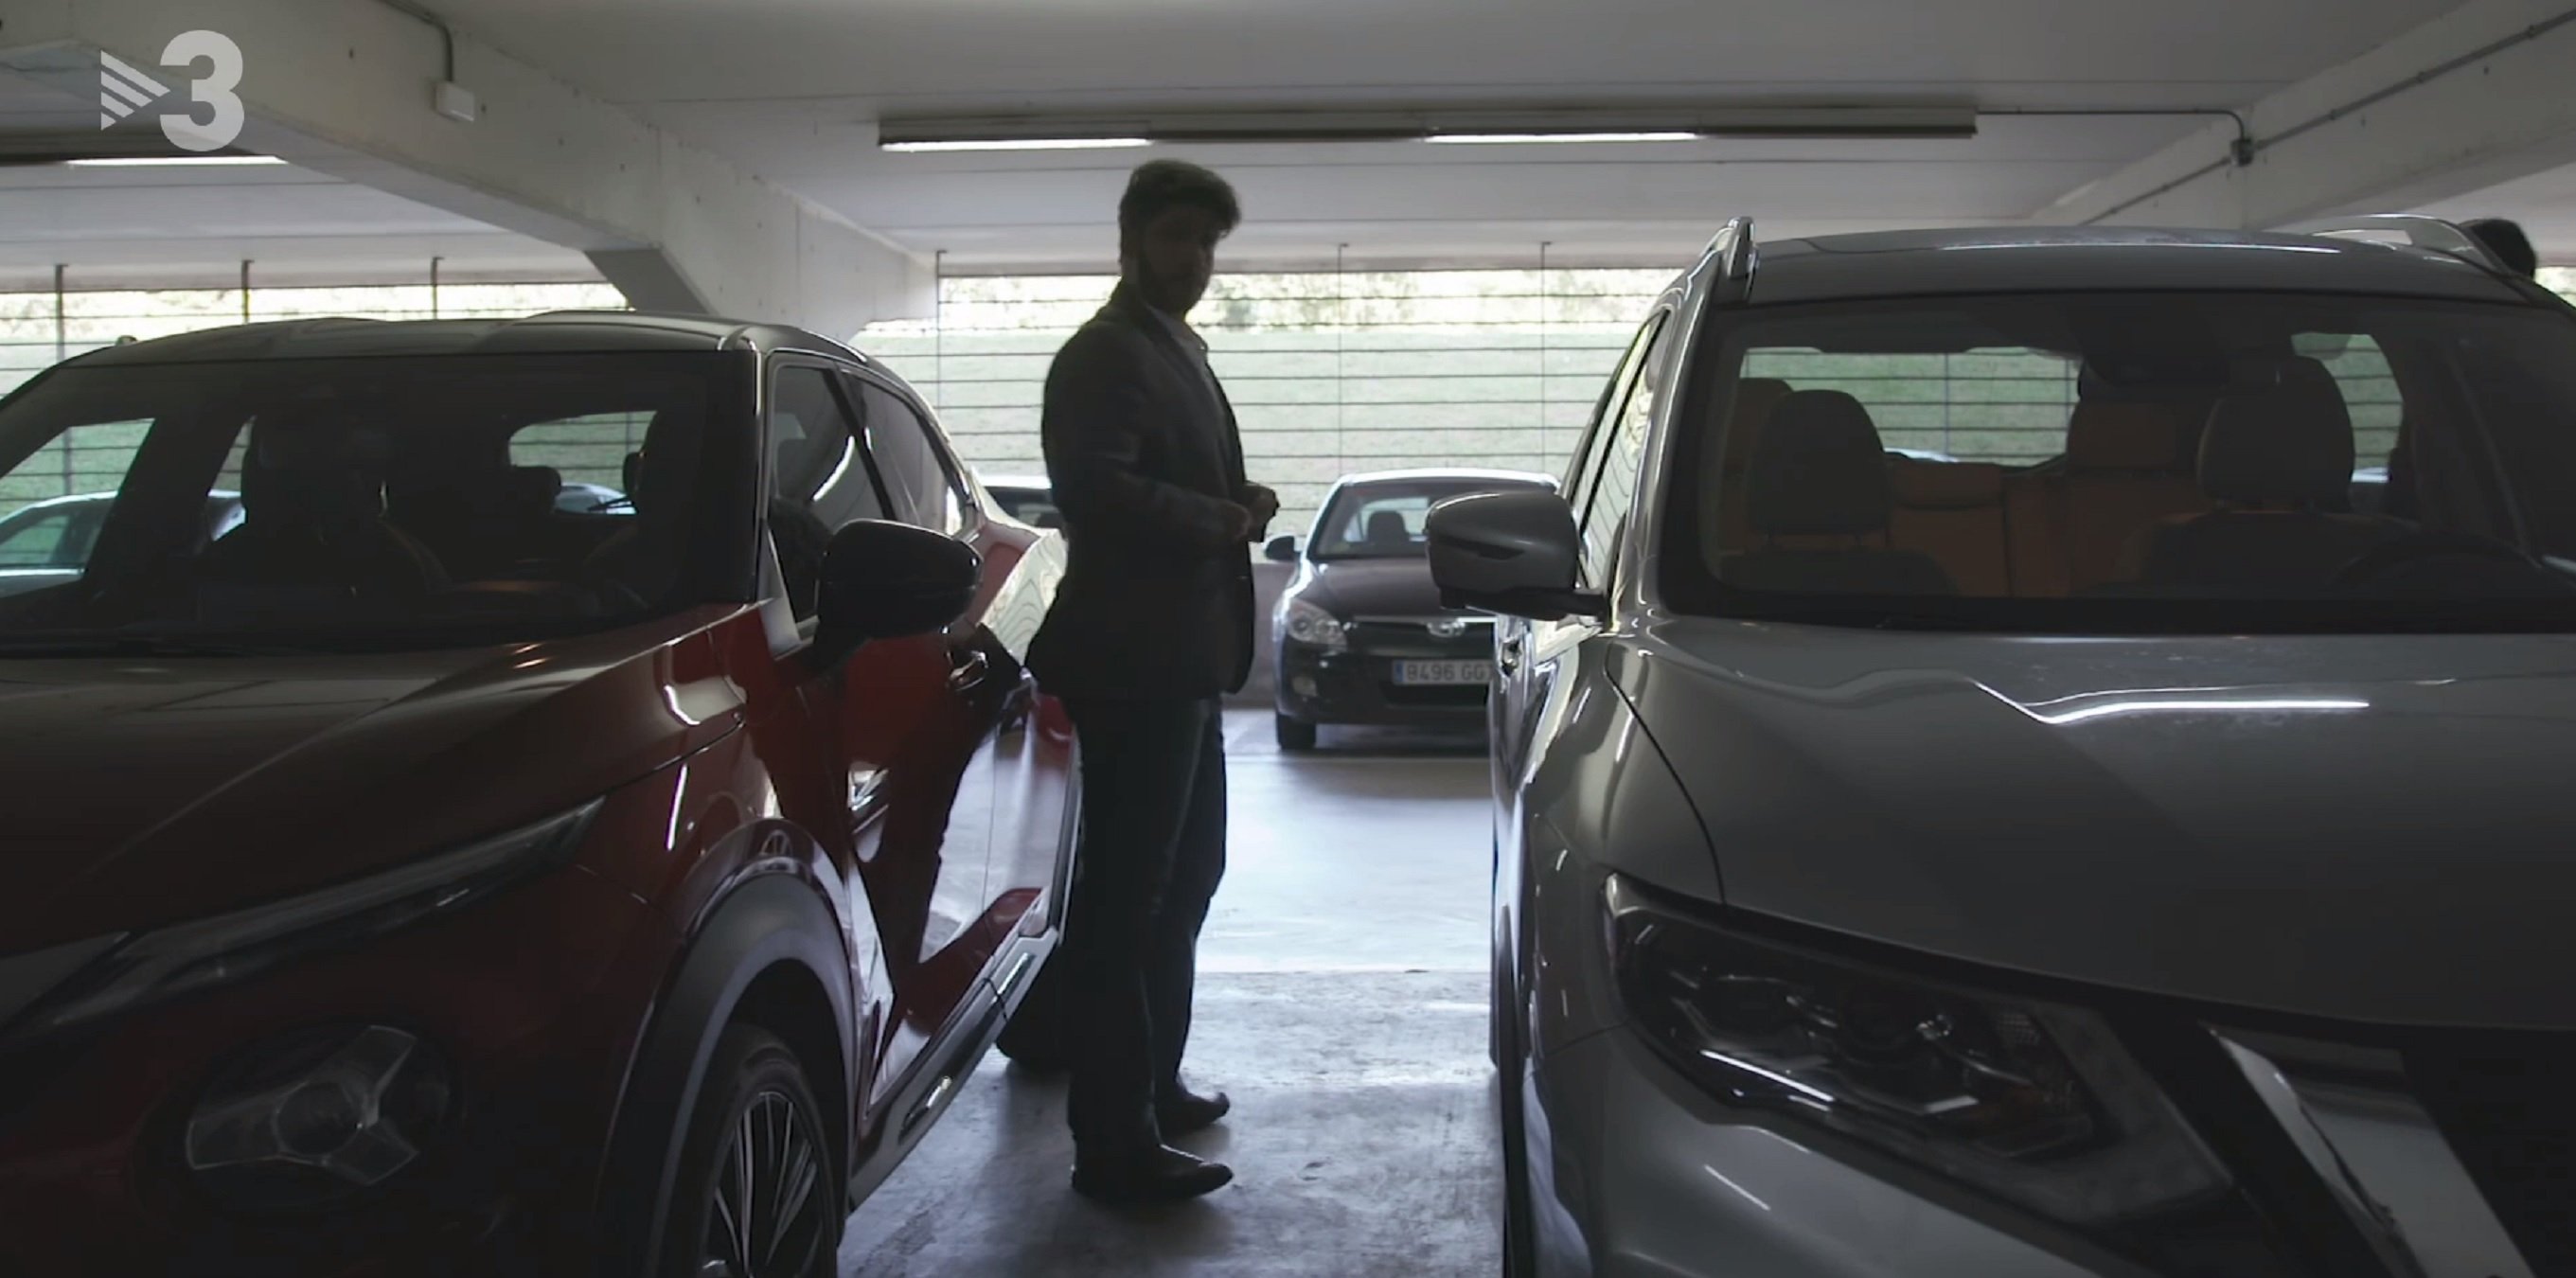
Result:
{"points": [[1153, 848]]}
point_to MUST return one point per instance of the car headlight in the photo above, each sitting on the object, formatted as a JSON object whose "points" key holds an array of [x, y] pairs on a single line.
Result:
{"points": [[316, 1117], [1309, 624], [191, 957], [2034, 1102]]}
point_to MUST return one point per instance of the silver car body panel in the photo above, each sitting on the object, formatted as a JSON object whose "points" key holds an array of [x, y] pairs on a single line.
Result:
{"points": [[2336, 826]]}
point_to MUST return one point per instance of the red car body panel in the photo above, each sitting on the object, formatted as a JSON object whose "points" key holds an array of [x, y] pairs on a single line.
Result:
{"points": [[921, 789]]}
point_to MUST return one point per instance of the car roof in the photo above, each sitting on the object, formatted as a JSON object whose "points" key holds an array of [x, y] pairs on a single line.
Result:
{"points": [[553, 331], [2108, 259]]}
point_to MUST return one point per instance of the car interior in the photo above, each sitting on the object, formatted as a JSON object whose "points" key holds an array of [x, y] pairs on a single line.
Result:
{"points": [[2247, 481], [356, 510]]}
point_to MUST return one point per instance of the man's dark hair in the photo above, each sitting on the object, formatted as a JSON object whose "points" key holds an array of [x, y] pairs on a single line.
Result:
{"points": [[2508, 243], [1160, 185]]}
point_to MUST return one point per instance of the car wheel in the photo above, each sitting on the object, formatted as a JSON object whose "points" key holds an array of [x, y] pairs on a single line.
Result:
{"points": [[1295, 734], [755, 1196]]}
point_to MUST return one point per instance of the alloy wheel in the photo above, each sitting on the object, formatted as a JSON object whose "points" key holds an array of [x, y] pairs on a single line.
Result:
{"points": [[766, 1212]]}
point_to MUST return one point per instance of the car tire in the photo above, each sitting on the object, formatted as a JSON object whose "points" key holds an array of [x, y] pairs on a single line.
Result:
{"points": [[1295, 735], [755, 1098]]}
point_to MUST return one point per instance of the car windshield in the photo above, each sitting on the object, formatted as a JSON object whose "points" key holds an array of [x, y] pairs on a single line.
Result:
{"points": [[359, 504], [2158, 462], [1383, 519]]}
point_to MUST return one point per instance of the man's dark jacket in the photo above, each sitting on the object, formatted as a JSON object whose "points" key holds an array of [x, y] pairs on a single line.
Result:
{"points": [[1147, 465]]}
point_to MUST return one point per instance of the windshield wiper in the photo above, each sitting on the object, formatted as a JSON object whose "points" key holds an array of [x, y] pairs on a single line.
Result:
{"points": [[96, 645]]}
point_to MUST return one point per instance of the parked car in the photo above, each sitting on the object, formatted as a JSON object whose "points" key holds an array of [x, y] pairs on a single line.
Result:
{"points": [[592, 499], [46, 543], [424, 878], [2129, 864], [1359, 634], [1027, 498]]}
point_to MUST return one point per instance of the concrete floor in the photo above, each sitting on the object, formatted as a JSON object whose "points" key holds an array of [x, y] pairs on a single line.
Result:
{"points": [[1341, 1002]]}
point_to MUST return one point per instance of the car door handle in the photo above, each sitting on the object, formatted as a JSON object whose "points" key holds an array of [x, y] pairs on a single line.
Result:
{"points": [[970, 672], [1508, 659]]}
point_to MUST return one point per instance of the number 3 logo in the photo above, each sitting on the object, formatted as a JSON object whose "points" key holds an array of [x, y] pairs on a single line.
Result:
{"points": [[211, 96]]}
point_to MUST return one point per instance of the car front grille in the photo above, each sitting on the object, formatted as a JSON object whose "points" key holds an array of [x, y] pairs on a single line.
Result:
{"points": [[1417, 637], [1434, 696]]}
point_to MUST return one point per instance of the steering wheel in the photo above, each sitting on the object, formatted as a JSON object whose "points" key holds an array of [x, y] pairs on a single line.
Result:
{"points": [[2388, 564]]}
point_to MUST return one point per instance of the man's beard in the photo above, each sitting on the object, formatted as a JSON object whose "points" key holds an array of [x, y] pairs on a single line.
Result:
{"points": [[1175, 296]]}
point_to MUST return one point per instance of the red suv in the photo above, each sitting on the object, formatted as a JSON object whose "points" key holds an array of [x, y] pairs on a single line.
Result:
{"points": [[434, 875]]}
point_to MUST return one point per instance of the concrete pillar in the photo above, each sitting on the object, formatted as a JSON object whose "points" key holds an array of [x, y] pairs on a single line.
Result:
{"points": [[353, 88]]}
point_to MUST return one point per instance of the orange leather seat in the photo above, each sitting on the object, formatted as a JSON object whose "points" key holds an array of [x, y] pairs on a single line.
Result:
{"points": [[2073, 526], [1724, 503], [1954, 513]]}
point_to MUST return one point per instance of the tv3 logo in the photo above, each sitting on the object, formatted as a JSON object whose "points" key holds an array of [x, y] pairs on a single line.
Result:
{"points": [[123, 91]]}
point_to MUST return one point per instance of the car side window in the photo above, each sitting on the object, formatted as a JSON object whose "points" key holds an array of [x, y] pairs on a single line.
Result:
{"points": [[920, 483], [1621, 450], [1587, 456], [37, 542], [819, 478]]}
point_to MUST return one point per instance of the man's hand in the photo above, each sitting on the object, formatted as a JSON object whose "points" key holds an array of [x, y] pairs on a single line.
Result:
{"points": [[1264, 507]]}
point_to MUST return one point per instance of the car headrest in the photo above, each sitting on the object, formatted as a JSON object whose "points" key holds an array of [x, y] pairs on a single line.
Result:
{"points": [[2287, 442], [658, 475], [1819, 468], [532, 488], [2116, 436], [305, 468], [1386, 528], [1931, 485], [1755, 398], [310, 443]]}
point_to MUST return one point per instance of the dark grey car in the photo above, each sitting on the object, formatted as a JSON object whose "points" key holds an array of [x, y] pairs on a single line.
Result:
{"points": [[1360, 635]]}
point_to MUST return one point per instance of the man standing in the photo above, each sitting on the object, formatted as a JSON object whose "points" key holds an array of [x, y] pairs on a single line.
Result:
{"points": [[1151, 626]]}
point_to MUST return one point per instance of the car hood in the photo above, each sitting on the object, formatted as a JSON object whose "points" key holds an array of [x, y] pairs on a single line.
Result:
{"points": [[146, 791], [1374, 588], [2356, 827]]}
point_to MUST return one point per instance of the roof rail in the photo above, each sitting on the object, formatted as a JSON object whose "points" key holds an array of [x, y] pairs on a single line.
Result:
{"points": [[2420, 232], [1735, 256]]}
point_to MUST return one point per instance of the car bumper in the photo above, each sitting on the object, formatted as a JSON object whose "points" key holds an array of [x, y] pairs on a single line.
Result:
{"points": [[90, 1178], [1636, 1173], [1358, 687]]}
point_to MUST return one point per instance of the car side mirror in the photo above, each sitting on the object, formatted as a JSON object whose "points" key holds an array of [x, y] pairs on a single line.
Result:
{"points": [[1509, 552], [885, 580], [1281, 550]]}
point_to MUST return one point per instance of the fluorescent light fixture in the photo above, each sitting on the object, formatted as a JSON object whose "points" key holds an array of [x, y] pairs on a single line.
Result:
{"points": [[170, 161], [1017, 144], [1682, 123], [1483, 139]]}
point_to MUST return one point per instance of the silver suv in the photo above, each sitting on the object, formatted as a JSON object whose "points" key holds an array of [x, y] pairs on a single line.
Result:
{"points": [[1981, 792]]}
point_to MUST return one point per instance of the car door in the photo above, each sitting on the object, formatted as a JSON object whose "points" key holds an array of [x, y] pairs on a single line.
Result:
{"points": [[1023, 772], [896, 730]]}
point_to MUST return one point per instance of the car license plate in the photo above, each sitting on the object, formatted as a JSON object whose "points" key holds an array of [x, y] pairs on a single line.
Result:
{"points": [[1411, 673]]}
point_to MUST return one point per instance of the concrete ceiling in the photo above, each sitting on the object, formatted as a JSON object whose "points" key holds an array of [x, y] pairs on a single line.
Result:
{"points": [[794, 87], [193, 227], [793, 91]]}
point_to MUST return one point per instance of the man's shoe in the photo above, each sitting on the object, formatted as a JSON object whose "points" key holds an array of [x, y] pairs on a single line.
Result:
{"points": [[1159, 1174], [1187, 1112]]}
